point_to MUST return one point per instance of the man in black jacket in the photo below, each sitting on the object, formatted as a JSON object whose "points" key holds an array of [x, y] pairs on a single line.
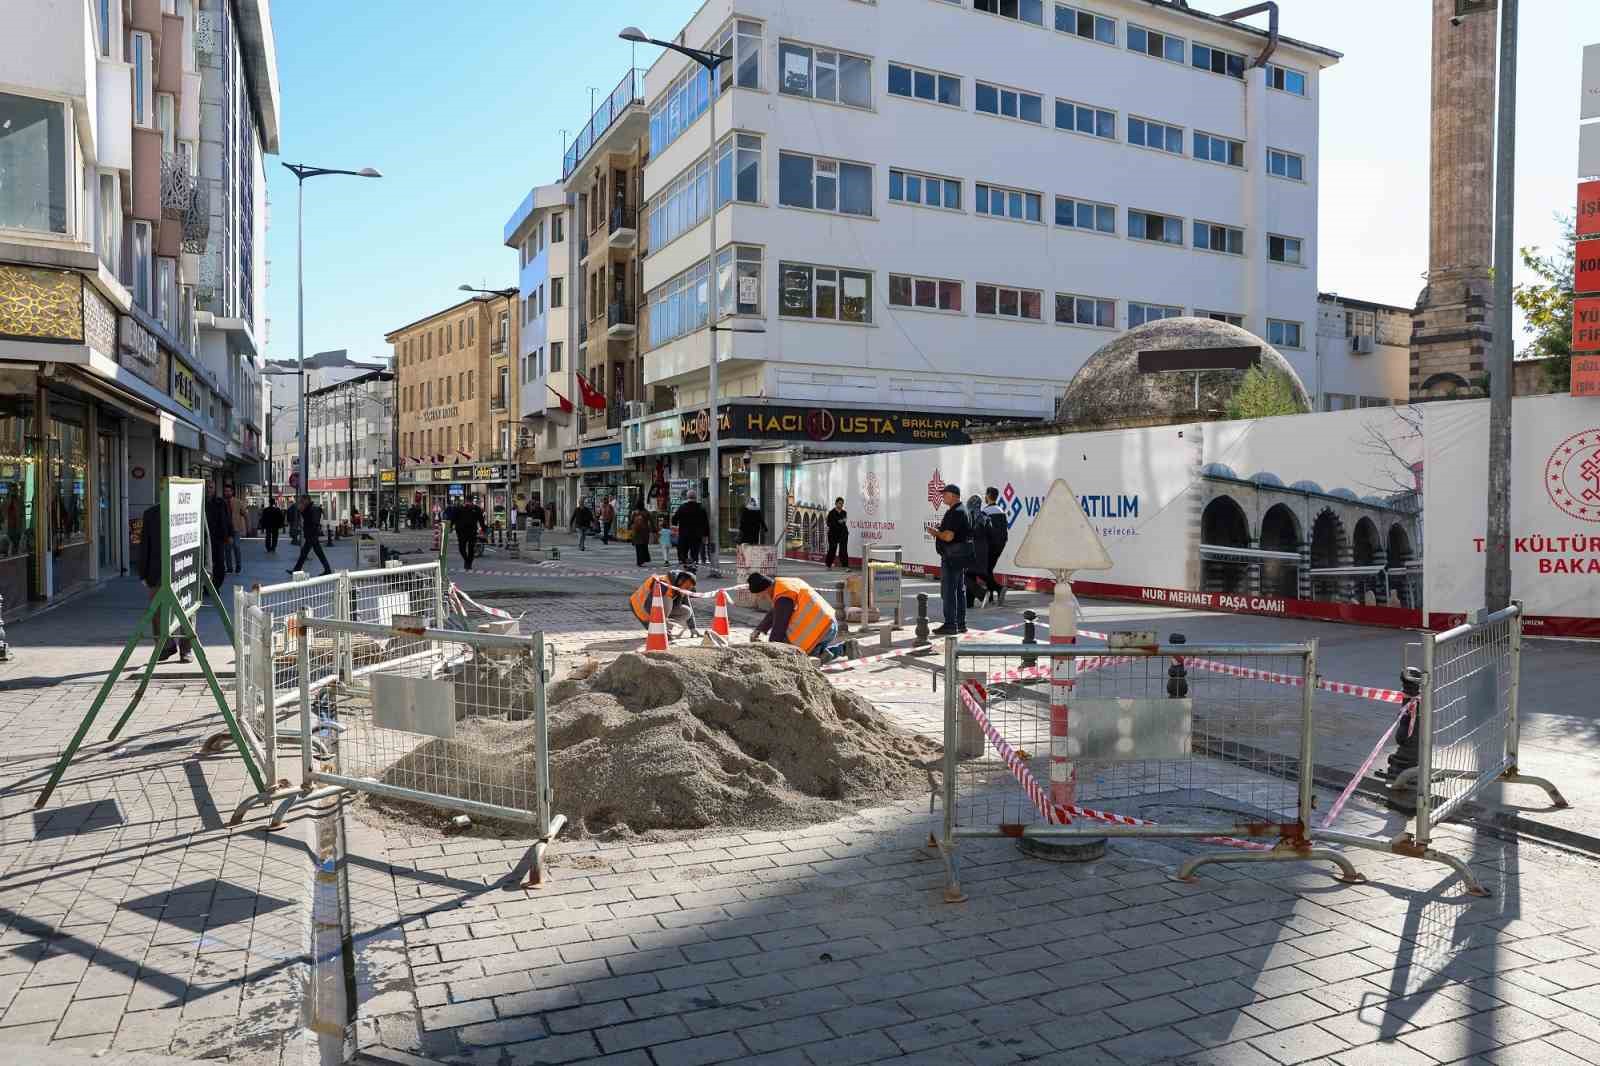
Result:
{"points": [[693, 529], [311, 536], [149, 567], [272, 523], [219, 530], [838, 535], [999, 534], [467, 518], [752, 523], [953, 541]]}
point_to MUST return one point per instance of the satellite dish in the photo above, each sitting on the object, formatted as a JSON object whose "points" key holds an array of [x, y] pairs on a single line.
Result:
{"points": [[1060, 536]]}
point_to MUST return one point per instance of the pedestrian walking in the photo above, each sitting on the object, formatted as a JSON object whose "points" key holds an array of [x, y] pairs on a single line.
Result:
{"points": [[953, 541], [219, 528], [752, 523], [977, 585], [639, 532], [838, 535], [467, 520], [148, 554], [694, 526], [608, 520], [294, 518], [999, 534], [583, 523], [311, 535], [239, 519], [271, 523]]}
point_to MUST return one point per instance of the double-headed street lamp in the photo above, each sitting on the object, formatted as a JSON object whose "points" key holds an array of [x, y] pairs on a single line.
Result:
{"points": [[302, 171], [711, 61], [507, 294]]}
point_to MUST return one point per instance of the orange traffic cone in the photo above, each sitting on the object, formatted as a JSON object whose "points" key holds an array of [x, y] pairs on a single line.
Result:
{"points": [[719, 620], [656, 639]]}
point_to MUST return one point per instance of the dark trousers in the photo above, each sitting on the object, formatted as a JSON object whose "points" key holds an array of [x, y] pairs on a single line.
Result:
{"points": [[641, 552], [308, 545], [953, 595], [839, 544], [272, 539], [688, 551], [468, 546], [219, 563]]}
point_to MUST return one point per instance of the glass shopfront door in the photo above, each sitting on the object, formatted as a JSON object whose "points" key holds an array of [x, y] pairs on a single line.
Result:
{"points": [[108, 500]]}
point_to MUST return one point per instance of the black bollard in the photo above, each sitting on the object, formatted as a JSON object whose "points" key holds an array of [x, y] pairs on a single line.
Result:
{"points": [[922, 632], [1177, 673], [1405, 746], [1030, 635]]}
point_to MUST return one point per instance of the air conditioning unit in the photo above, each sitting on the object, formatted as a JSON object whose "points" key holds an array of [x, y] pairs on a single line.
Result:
{"points": [[1363, 344]]}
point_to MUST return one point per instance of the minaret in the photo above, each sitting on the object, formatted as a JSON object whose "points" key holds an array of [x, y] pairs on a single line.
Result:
{"points": [[1450, 328]]}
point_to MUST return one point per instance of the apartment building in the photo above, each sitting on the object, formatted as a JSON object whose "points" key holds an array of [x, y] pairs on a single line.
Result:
{"points": [[348, 429], [1363, 354], [942, 209], [459, 405], [547, 357], [106, 222]]}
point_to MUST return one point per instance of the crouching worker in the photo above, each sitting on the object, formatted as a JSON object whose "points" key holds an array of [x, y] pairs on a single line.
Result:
{"points": [[678, 608], [796, 615]]}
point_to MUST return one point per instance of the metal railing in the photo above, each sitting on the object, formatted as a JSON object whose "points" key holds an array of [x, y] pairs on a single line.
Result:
{"points": [[624, 218], [629, 91], [621, 313]]}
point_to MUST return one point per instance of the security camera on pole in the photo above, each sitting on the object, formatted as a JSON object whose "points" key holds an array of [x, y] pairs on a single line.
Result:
{"points": [[1061, 540]]}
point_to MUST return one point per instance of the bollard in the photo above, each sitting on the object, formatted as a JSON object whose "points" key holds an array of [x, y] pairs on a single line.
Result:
{"points": [[5, 649], [1030, 635], [1405, 743], [1177, 673], [923, 633]]}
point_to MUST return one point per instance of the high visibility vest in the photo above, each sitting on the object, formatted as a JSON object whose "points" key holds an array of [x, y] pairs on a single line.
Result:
{"points": [[640, 600], [812, 617]]}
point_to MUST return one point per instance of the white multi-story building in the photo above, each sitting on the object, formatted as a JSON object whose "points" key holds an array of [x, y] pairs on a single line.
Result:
{"points": [[1363, 354], [944, 208]]}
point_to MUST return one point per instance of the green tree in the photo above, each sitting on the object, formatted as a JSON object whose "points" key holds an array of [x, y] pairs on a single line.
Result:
{"points": [[1547, 306], [1263, 393]]}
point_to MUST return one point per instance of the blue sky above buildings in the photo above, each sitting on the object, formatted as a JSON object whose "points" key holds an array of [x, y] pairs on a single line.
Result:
{"points": [[462, 107]]}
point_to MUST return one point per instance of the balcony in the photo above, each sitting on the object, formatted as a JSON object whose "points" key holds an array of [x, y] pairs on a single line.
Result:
{"points": [[197, 220], [624, 229], [625, 101], [497, 346], [622, 319], [583, 332], [497, 402]]}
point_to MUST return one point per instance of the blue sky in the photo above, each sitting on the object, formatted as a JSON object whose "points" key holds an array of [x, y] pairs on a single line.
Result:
{"points": [[462, 107]]}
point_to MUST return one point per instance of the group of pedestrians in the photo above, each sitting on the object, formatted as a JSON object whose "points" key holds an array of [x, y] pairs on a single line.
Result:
{"points": [[969, 539]]}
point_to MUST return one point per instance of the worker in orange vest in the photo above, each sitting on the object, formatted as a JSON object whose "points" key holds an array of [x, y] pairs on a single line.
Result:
{"points": [[678, 608], [797, 615]]}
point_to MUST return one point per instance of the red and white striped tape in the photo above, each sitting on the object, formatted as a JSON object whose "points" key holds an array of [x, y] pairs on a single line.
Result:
{"points": [[461, 601]]}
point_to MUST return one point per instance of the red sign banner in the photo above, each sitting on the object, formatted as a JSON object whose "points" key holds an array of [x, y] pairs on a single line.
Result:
{"points": [[1586, 274], [1588, 221]]}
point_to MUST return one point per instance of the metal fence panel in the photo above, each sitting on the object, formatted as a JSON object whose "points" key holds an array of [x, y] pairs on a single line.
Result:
{"points": [[1467, 714], [252, 702]]}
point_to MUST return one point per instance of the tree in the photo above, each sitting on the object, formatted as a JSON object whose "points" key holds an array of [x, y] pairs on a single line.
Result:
{"points": [[1547, 306], [1263, 393]]}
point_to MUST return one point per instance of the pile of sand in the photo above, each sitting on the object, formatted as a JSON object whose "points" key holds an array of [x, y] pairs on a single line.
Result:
{"points": [[751, 736]]}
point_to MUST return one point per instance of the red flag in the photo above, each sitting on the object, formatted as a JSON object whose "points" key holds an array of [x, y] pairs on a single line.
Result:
{"points": [[592, 397], [566, 404]]}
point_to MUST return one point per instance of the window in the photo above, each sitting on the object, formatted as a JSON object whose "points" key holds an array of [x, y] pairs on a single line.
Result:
{"points": [[1152, 43], [1222, 316], [1218, 238], [818, 74], [930, 190], [825, 293], [35, 165], [1283, 164], [1086, 24], [1009, 103], [824, 184], [1283, 249], [1081, 118], [167, 293], [1286, 80], [1000, 301], [1021, 10], [1281, 334], [142, 264], [739, 281], [557, 228], [1148, 226], [680, 305], [557, 291], [681, 206], [1157, 135], [924, 85], [685, 100], [1218, 149], [1007, 203], [930, 294], [103, 10], [1218, 61], [142, 57], [1085, 311], [739, 169], [1139, 314], [167, 121], [1084, 214], [741, 43], [555, 356]]}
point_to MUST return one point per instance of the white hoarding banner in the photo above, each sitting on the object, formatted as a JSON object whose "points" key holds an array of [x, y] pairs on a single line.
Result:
{"points": [[185, 515]]}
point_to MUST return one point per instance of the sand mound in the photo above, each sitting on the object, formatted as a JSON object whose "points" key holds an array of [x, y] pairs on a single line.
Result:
{"points": [[749, 736]]}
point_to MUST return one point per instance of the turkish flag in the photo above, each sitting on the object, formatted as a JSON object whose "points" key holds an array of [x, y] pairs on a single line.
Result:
{"points": [[566, 404], [592, 397]]}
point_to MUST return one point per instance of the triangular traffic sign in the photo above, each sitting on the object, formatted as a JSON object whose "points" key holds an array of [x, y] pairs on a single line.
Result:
{"points": [[1060, 536]]}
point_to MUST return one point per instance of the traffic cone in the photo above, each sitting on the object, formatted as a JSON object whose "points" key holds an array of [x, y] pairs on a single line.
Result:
{"points": [[656, 639], [719, 620]]}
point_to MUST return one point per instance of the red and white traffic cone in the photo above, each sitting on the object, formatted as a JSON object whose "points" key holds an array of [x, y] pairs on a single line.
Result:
{"points": [[656, 639], [719, 619]]}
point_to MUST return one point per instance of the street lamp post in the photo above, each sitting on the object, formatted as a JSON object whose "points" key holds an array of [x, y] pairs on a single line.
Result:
{"points": [[302, 171], [507, 294], [711, 61]]}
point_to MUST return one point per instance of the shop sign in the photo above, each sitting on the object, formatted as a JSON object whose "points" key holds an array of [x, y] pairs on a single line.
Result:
{"points": [[386, 477], [488, 473], [840, 425], [442, 414], [442, 473], [601, 455], [569, 459], [184, 387], [330, 484], [458, 489], [136, 347], [661, 434], [461, 473]]}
